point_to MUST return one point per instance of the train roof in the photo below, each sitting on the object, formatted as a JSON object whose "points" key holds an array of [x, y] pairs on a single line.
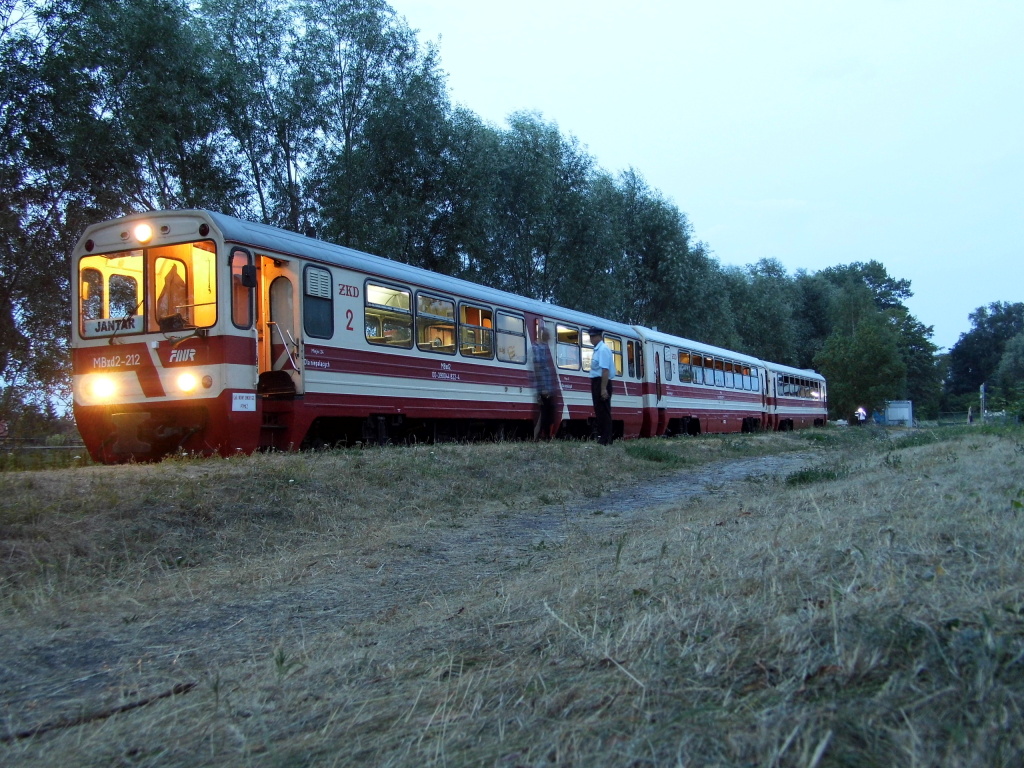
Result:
{"points": [[664, 338], [285, 242], [658, 337], [804, 373]]}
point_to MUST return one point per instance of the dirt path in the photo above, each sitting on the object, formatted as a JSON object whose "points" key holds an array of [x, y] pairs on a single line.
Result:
{"points": [[59, 668]]}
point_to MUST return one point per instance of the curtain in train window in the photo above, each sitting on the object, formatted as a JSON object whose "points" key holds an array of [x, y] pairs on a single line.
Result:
{"points": [[719, 373], [697, 368], [709, 371]]}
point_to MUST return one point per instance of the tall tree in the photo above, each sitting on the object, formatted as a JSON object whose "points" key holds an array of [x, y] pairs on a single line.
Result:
{"points": [[385, 190], [150, 63], [360, 57], [862, 362], [886, 291], [813, 299], [763, 296], [59, 168], [255, 72], [538, 195], [653, 250], [974, 359], [924, 372]]}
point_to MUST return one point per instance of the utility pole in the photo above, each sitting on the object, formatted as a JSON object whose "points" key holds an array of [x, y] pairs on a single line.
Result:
{"points": [[983, 402]]}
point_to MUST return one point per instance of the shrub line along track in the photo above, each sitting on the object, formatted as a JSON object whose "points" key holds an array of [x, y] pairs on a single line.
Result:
{"points": [[89, 667]]}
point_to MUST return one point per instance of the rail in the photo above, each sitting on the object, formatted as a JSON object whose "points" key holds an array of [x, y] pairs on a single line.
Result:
{"points": [[29, 453]]}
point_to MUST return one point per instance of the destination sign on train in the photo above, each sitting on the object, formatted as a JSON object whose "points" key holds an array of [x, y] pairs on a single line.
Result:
{"points": [[108, 326]]}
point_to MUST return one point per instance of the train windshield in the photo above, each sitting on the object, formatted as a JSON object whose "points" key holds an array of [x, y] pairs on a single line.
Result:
{"points": [[148, 290]]}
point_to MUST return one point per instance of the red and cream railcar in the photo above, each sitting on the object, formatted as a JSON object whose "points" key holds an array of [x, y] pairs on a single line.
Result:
{"points": [[695, 388], [797, 398], [199, 332]]}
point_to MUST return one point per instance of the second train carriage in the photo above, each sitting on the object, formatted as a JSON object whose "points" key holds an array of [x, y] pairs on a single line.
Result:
{"points": [[797, 398], [198, 331], [696, 388]]}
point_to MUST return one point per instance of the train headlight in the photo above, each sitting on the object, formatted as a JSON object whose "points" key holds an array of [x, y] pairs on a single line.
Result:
{"points": [[102, 387], [143, 233], [187, 382]]}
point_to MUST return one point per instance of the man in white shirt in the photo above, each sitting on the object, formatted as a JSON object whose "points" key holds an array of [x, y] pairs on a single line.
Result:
{"points": [[602, 371]]}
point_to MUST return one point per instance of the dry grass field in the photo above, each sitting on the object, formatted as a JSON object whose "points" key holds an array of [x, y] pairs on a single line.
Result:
{"points": [[841, 597]]}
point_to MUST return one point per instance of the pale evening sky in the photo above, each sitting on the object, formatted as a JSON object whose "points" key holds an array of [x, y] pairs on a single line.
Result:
{"points": [[815, 132]]}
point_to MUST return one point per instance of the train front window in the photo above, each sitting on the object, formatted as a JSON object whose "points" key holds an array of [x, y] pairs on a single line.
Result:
{"points": [[170, 288]]}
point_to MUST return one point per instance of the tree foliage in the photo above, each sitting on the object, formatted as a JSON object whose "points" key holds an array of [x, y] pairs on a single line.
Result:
{"points": [[863, 366], [975, 358]]}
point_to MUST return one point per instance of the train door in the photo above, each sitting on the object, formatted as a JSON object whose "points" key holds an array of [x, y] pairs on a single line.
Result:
{"points": [[762, 374], [280, 341]]}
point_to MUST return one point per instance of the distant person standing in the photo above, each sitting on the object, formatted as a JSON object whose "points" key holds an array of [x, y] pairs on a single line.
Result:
{"points": [[602, 372], [544, 380]]}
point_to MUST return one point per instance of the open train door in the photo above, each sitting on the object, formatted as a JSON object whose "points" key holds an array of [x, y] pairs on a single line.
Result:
{"points": [[279, 326]]}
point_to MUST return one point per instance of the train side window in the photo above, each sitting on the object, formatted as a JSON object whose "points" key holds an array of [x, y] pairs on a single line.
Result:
{"points": [[318, 304], [685, 376], [586, 350], [476, 331], [511, 338], [388, 315], [631, 358], [615, 345], [709, 371], [719, 373], [241, 294], [567, 347], [697, 368], [730, 375], [435, 324]]}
